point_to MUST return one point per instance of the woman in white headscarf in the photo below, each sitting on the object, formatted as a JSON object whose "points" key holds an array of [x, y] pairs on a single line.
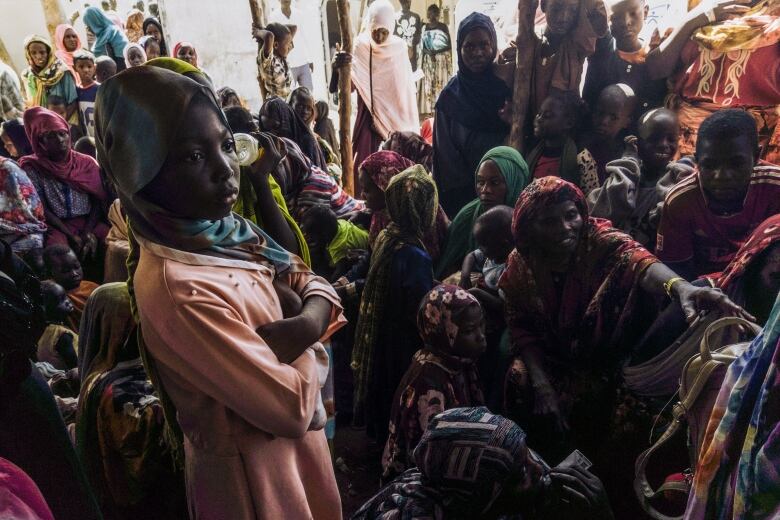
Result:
{"points": [[382, 76]]}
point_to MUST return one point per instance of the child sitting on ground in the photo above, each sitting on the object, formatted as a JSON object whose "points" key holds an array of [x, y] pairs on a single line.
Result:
{"points": [[557, 154], [84, 65], [57, 344], [610, 124], [620, 58], [443, 374], [64, 267], [276, 42], [632, 195], [330, 240]]}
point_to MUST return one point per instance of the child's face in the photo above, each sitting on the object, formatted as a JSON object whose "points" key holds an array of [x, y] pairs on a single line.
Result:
{"points": [[725, 168], [561, 15], [611, 115], [66, 270], [86, 71], [58, 109], [627, 20], [154, 32], [187, 54], [551, 121], [491, 185], [283, 46], [658, 138], [58, 305], [304, 107], [470, 341], [152, 49], [135, 57], [70, 40], [314, 236], [9, 146], [39, 54]]}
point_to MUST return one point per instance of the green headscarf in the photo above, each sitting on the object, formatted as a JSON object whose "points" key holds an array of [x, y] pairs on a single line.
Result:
{"points": [[460, 236], [412, 204]]}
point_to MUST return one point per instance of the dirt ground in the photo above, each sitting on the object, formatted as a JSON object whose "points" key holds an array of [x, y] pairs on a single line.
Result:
{"points": [[357, 465]]}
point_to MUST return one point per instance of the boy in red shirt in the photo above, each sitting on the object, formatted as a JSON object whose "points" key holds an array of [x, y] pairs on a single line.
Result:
{"points": [[709, 215]]}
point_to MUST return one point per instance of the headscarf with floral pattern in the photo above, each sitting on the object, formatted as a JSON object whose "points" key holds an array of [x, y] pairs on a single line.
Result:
{"points": [[437, 314]]}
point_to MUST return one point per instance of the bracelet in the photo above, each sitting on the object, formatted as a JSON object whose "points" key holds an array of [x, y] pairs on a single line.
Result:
{"points": [[710, 14], [670, 283]]}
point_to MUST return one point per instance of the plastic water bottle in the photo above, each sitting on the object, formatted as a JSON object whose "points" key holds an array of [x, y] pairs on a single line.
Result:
{"points": [[247, 149]]}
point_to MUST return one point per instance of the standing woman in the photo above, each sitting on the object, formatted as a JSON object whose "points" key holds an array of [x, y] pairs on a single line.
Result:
{"points": [[67, 41], [209, 288], [382, 76], [153, 28], [400, 274], [467, 124], [436, 61], [109, 39], [47, 76]]}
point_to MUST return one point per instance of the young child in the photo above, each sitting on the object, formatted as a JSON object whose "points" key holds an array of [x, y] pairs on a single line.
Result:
{"points": [[57, 105], [620, 58], [610, 124], [57, 344], [330, 240], [557, 153], [84, 65], [105, 68], [573, 27], [151, 47], [443, 374], [276, 42], [64, 267], [86, 145], [638, 182]]}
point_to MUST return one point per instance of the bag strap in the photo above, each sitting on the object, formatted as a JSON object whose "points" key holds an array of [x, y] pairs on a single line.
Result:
{"points": [[705, 347]]}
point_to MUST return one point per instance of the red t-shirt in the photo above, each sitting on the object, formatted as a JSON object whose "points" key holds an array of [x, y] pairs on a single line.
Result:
{"points": [[732, 79], [547, 166], [689, 230]]}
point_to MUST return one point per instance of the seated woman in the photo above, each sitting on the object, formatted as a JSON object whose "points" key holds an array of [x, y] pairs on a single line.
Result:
{"points": [[210, 289], [443, 374], [68, 183], [375, 174], [109, 39], [22, 222], [572, 288], [401, 273], [412, 146], [305, 185], [120, 422], [277, 117], [47, 75], [323, 126], [501, 176], [496, 476]]}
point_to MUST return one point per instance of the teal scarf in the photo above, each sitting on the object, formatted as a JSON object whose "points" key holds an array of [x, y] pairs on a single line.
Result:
{"points": [[460, 238]]}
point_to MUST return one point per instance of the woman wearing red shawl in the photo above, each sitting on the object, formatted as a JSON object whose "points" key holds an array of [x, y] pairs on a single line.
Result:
{"points": [[67, 181], [374, 174], [572, 285]]}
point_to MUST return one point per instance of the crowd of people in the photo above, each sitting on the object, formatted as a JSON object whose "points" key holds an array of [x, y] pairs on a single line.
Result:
{"points": [[181, 332]]}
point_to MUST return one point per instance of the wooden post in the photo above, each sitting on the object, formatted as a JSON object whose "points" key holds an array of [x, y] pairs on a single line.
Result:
{"points": [[345, 101], [258, 19], [521, 92], [54, 15], [5, 57]]}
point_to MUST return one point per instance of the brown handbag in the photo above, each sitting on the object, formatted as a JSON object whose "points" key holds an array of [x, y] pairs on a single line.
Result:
{"points": [[700, 383]]}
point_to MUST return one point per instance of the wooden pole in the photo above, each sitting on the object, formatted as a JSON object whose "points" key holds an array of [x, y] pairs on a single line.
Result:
{"points": [[54, 15], [521, 92], [5, 57], [345, 101], [258, 19]]}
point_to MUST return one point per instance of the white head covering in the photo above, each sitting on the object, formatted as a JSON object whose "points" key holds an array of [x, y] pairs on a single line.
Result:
{"points": [[126, 52], [381, 15]]}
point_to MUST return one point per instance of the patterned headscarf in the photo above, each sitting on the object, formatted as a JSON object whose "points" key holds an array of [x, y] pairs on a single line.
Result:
{"points": [[540, 194], [384, 165], [766, 234], [37, 83], [464, 461], [436, 317], [412, 146], [412, 202]]}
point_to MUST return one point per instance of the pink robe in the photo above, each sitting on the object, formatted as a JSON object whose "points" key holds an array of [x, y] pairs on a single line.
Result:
{"points": [[244, 414]]}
